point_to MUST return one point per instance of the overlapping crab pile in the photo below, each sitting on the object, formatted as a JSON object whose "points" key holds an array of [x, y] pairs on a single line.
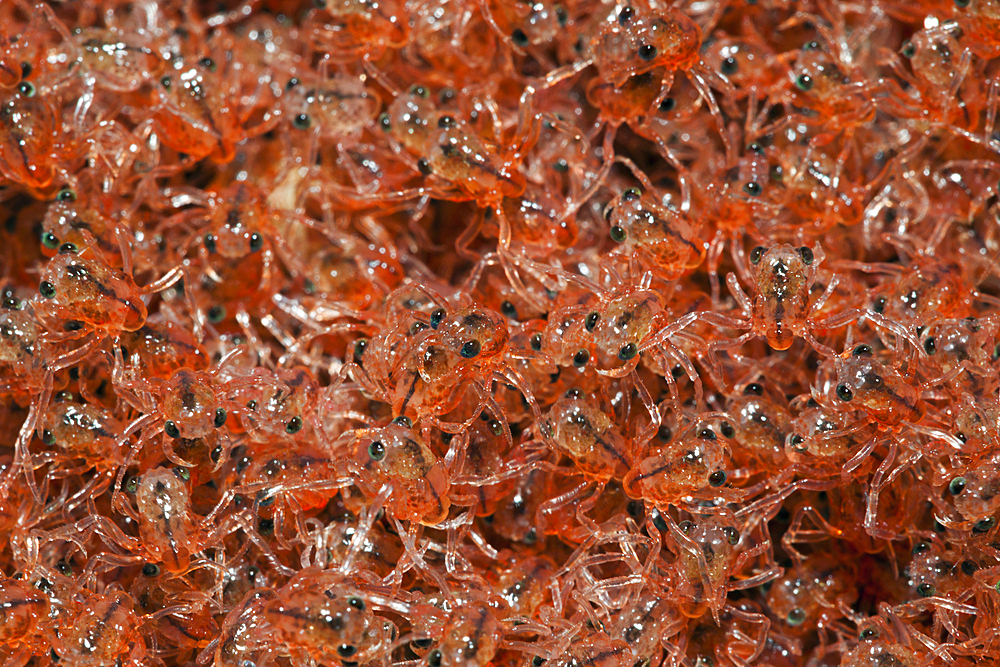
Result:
{"points": [[459, 333]]}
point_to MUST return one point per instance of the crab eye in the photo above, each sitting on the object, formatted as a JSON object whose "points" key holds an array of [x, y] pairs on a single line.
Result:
{"points": [[795, 617], [302, 121], [618, 234], [360, 346], [930, 346], [294, 425], [50, 240], [471, 349], [625, 15], [729, 66], [632, 194], [216, 314], [376, 450], [27, 89], [844, 392], [220, 417], [592, 320], [170, 428], [807, 255], [647, 52], [862, 351], [756, 254], [804, 82], [519, 38], [496, 428], [908, 50], [956, 486]]}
